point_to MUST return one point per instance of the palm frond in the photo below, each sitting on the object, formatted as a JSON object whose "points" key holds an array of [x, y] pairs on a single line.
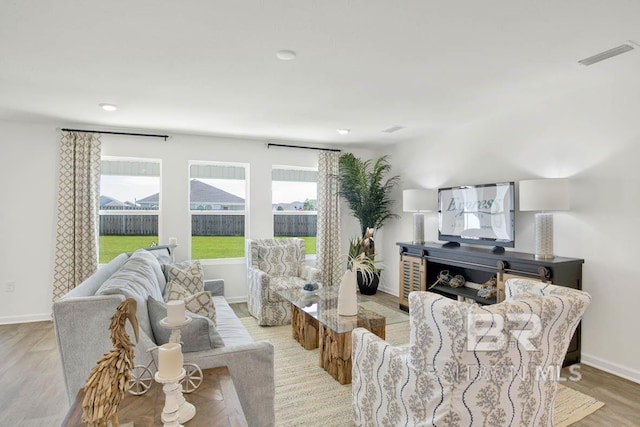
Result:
{"points": [[365, 190]]}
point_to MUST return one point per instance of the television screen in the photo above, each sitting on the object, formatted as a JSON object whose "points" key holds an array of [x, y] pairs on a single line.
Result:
{"points": [[477, 214]]}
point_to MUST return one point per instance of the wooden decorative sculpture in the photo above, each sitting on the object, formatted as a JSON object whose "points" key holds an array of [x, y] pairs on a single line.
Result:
{"points": [[109, 379]]}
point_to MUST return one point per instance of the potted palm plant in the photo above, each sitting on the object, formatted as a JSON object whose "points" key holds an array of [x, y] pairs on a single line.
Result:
{"points": [[366, 187]]}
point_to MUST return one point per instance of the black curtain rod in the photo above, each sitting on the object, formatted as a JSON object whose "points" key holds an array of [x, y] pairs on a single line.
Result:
{"points": [[117, 133], [304, 148]]}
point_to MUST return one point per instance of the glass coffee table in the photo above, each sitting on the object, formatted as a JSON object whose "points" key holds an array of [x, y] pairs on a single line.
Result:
{"points": [[315, 323]]}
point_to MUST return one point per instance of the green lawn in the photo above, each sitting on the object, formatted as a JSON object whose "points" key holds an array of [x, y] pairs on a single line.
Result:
{"points": [[203, 247], [112, 246], [213, 247]]}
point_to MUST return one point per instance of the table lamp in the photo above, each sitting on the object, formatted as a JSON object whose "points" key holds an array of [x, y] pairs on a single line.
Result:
{"points": [[544, 195], [418, 201]]}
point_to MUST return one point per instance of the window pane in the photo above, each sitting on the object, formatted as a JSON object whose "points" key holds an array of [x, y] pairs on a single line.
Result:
{"points": [[216, 195], [128, 187], [294, 204], [216, 189]]}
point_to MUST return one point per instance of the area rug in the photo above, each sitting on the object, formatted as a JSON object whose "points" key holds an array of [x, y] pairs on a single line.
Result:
{"points": [[307, 396]]}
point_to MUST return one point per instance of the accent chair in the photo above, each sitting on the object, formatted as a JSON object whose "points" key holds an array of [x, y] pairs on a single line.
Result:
{"points": [[467, 364], [274, 265]]}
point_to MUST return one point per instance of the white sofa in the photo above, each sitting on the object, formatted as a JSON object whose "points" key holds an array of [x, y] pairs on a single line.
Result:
{"points": [[81, 321]]}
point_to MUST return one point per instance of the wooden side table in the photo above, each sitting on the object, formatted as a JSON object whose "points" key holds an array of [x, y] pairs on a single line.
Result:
{"points": [[216, 402]]}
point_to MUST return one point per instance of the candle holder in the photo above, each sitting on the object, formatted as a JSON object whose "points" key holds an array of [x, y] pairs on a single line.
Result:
{"points": [[186, 410], [176, 410], [175, 328], [194, 375]]}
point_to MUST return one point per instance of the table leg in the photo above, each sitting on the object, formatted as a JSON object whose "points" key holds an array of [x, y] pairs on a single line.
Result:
{"points": [[335, 352], [304, 328]]}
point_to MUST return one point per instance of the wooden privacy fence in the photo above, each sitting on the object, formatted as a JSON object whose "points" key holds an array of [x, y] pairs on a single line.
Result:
{"points": [[217, 225], [295, 225], [128, 225], [206, 225]]}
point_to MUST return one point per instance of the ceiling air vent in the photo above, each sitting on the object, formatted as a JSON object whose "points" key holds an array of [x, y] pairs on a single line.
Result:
{"points": [[606, 54], [392, 129]]}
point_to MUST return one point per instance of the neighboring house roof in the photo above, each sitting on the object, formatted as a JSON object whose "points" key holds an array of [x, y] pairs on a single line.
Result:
{"points": [[109, 201], [202, 193]]}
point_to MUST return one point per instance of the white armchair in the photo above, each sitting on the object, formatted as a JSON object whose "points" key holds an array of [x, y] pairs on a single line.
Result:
{"points": [[274, 265], [437, 380]]}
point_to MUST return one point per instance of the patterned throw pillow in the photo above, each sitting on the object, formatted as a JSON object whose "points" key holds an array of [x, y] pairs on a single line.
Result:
{"points": [[199, 303], [190, 278]]}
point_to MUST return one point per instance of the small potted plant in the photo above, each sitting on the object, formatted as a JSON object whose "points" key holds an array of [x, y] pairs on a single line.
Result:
{"points": [[360, 269], [362, 259], [367, 191]]}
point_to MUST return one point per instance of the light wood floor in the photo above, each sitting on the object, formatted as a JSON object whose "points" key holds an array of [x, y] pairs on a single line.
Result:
{"points": [[32, 390]]}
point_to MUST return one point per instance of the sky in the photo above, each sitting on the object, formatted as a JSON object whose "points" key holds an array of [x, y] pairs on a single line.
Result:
{"points": [[132, 188]]}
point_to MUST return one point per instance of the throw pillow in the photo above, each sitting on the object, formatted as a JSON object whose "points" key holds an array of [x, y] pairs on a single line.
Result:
{"points": [[165, 264], [199, 303], [200, 334], [191, 278]]}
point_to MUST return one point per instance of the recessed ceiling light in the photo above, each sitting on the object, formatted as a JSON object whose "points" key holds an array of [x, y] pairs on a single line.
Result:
{"points": [[108, 107], [286, 55], [343, 131]]}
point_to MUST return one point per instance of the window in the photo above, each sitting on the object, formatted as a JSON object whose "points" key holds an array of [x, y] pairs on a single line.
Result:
{"points": [[217, 202], [294, 201], [129, 205]]}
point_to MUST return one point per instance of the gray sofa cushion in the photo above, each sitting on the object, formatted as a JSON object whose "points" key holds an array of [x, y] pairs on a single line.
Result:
{"points": [[137, 279], [200, 334], [229, 326]]}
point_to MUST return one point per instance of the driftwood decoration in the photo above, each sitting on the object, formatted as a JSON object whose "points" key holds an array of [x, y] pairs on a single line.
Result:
{"points": [[109, 379]]}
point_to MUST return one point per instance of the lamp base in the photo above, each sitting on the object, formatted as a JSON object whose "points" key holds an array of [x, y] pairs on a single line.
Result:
{"points": [[544, 236], [418, 228]]}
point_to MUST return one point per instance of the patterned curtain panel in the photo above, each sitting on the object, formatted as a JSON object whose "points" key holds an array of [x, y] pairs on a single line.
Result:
{"points": [[76, 255], [328, 238]]}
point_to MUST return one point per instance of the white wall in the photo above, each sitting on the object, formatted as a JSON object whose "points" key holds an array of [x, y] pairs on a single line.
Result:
{"points": [[28, 170], [592, 137]]}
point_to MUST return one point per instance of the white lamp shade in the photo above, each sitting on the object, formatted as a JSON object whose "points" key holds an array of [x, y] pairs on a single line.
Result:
{"points": [[544, 195], [419, 200]]}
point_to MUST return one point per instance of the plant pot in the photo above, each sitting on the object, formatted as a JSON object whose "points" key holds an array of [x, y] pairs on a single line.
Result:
{"points": [[368, 287]]}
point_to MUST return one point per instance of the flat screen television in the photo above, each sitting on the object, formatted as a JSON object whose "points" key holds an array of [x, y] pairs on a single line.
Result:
{"points": [[477, 214]]}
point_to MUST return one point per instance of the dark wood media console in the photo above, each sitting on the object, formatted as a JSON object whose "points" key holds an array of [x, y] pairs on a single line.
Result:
{"points": [[421, 264]]}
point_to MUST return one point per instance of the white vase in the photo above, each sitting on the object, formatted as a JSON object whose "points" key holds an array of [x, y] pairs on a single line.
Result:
{"points": [[347, 296]]}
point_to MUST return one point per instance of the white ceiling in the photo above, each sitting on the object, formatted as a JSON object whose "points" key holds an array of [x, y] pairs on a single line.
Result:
{"points": [[209, 67]]}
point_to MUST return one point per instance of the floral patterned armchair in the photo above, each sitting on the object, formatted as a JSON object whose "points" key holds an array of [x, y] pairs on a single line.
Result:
{"points": [[274, 265], [499, 376]]}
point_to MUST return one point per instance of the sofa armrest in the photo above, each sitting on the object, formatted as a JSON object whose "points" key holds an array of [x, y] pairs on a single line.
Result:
{"points": [[380, 377], [80, 342], [310, 274], [252, 370], [215, 286]]}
